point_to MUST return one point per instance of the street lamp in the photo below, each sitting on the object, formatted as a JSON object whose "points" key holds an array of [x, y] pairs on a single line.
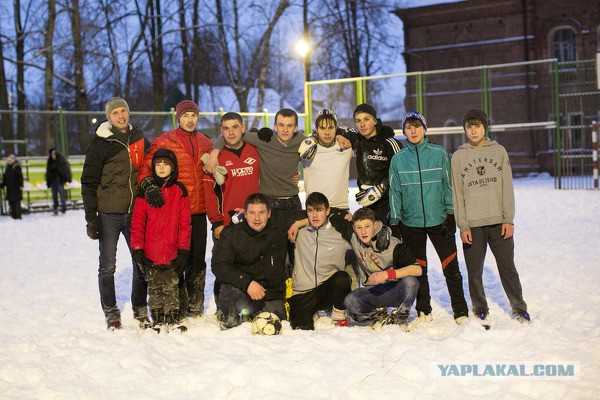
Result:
{"points": [[303, 49]]}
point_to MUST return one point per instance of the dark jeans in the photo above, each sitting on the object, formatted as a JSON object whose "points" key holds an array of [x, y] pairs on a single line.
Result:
{"points": [[416, 239], [330, 293], [362, 302], [113, 225], [504, 252], [237, 306], [58, 189], [290, 203], [192, 282]]}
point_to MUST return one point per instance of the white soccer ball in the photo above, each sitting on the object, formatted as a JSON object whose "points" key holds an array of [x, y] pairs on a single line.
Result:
{"points": [[266, 323]]}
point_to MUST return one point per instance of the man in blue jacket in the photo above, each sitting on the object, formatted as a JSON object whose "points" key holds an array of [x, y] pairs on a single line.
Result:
{"points": [[421, 203]]}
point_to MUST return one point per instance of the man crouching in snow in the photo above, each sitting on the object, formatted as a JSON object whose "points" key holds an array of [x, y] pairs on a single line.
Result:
{"points": [[249, 261], [387, 269]]}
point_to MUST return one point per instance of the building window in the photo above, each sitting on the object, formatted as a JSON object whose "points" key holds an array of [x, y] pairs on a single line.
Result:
{"points": [[563, 45]]}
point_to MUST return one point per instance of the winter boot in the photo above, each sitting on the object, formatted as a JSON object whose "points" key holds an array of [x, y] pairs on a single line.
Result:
{"points": [[172, 321]]}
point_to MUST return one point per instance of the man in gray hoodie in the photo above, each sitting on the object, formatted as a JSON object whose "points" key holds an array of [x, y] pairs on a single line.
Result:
{"points": [[484, 208], [319, 280]]}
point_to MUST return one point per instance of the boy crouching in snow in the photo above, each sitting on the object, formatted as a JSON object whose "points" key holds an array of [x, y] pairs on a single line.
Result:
{"points": [[160, 239], [387, 269]]}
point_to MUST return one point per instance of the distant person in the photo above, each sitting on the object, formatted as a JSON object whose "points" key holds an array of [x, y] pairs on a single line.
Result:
{"points": [[109, 188], [484, 206], [58, 172], [12, 180], [421, 204], [189, 145], [160, 239]]}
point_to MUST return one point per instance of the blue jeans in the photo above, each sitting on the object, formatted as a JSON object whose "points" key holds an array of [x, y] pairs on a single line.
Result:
{"points": [[112, 226], [362, 302], [58, 189]]}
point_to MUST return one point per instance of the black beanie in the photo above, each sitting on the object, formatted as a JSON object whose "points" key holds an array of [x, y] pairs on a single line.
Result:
{"points": [[365, 108], [475, 114]]}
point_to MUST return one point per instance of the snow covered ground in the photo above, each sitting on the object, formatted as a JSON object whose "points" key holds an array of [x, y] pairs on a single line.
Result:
{"points": [[54, 344]]}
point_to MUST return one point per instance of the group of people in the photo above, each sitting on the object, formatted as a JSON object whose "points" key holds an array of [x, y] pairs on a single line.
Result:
{"points": [[58, 173], [271, 255]]}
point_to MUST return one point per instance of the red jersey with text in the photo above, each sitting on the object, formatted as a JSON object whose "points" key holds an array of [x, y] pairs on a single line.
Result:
{"points": [[242, 180]]}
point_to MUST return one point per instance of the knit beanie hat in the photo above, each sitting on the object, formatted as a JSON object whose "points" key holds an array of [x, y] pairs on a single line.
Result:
{"points": [[115, 102], [186, 106], [476, 114], [326, 113], [416, 116], [365, 108]]}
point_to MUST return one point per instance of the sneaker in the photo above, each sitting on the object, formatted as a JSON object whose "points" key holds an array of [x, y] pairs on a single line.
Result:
{"points": [[523, 317], [425, 317], [144, 322], [461, 320], [113, 326], [341, 322]]}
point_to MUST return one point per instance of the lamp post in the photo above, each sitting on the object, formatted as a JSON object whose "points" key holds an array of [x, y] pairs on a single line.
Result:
{"points": [[303, 48]]}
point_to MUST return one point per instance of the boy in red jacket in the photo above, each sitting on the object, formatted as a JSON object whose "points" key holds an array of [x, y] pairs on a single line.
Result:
{"points": [[160, 239]]}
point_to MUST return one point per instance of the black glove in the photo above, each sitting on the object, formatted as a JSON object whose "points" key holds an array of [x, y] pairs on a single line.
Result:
{"points": [[265, 134], [154, 195], [449, 227], [396, 232], [94, 228], [141, 260], [382, 242], [180, 263]]}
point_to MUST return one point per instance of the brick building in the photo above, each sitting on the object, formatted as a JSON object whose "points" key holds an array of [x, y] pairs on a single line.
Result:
{"points": [[491, 32]]}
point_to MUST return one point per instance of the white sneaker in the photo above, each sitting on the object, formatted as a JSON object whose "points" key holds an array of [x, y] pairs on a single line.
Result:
{"points": [[461, 320], [425, 317]]}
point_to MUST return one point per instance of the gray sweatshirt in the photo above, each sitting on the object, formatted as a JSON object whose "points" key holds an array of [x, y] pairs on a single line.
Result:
{"points": [[482, 185], [278, 163]]}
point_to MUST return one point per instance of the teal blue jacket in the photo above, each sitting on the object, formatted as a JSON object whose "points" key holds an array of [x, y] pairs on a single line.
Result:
{"points": [[420, 185]]}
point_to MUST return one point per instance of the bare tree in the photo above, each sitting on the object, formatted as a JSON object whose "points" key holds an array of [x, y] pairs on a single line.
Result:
{"points": [[78, 64], [246, 64], [20, 53], [6, 119], [49, 72]]}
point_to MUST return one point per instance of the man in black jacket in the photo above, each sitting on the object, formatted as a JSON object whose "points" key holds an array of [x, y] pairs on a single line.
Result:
{"points": [[249, 260], [108, 188]]}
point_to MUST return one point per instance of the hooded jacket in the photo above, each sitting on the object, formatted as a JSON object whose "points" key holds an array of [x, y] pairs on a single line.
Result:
{"points": [[483, 186], [160, 232], [420, 185], [110, 170], [319, 254], [57, 170], [370, 258], [12, 180], [188, 148]]}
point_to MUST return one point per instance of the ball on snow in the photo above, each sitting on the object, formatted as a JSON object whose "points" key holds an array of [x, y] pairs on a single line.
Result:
{"points": [[266, 323]]}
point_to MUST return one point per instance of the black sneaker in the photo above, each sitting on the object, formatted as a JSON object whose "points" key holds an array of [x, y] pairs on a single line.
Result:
{"points": [[381, 317], [144, 322]]}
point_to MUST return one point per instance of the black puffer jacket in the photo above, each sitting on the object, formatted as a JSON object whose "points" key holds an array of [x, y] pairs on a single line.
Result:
{"points": [[242, 255], [110, 171]]}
